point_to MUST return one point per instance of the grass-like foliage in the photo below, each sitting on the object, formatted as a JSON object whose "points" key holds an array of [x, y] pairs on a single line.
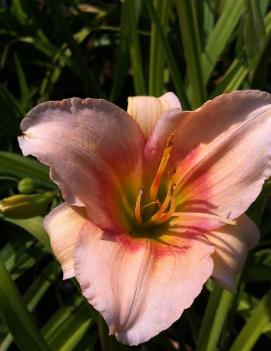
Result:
{"points": [[115, 49]]}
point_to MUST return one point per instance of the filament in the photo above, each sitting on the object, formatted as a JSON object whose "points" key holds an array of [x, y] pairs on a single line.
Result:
{"points": [[138, 206], [162, 166]]}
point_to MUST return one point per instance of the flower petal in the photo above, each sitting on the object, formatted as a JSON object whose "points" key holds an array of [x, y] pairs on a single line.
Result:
{"points": [[140, 286], [95, 152], [223, 152], [63, 225], [231, 246], [167, 124], [146, 110]]}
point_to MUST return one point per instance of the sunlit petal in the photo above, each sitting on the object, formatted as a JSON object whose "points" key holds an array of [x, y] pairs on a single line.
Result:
{"points": [[94, 149], [140, 287], [166, 125], [146, 110], [157, 196], [223, 152], [231, 246], [63, 224]]}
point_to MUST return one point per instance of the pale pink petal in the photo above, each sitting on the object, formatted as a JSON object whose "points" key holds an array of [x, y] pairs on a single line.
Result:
{"points": [[146, 110], [223, 152], [95, 152], [140, 286], [166, 125], [63, 224], [231, 246]]}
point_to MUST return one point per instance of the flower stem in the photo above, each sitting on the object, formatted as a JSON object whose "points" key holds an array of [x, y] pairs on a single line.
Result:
{"points": [[216, 312]]}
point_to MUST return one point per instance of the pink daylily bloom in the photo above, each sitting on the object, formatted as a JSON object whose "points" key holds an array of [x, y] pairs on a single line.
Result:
{"points": [[154, 198]]}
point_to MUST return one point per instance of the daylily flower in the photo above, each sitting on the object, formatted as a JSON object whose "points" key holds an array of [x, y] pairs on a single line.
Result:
{"points": [[154, 198]]}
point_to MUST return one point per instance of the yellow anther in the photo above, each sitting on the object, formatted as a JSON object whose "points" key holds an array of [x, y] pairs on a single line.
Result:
{"points": [[162, 167]]}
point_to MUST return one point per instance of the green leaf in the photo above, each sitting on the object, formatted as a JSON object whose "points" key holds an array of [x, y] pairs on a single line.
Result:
{"points": [[122, 55], [20, 255], [11, 111], [84, 72], [67, 326], [220, 35], [232, 79], [260, 268], [16, 316], [34, 294], [192, 50], [254, 32], [135, 51], [255, 326], [174, 71], [25, 93], [19, 166], [157, 58], [60, 60], [34, 226], [206, 10], [260, 72]]}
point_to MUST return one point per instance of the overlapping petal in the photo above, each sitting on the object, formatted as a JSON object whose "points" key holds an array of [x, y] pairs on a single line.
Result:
{"points": [[95, 152], [140, 286], [63, 224], [167, 124], [146, 110], [223, 152], [231, 246]]}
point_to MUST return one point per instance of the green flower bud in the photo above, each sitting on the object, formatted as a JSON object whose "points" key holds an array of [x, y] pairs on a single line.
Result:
{"points": [[25, 206], [26, 186]]}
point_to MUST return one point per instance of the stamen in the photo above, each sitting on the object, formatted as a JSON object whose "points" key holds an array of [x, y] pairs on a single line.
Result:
{"points": [[162, 166], [167, 215], [205, 215], [138, 206], [166, 202], [157, 202], [160, 216]]}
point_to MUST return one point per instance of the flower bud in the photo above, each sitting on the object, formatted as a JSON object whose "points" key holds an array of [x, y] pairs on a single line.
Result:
{"points": [[26, 186], [25, 206]]}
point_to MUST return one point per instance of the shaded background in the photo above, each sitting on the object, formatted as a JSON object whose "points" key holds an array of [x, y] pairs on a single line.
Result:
{"points": [[113, 49]]}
